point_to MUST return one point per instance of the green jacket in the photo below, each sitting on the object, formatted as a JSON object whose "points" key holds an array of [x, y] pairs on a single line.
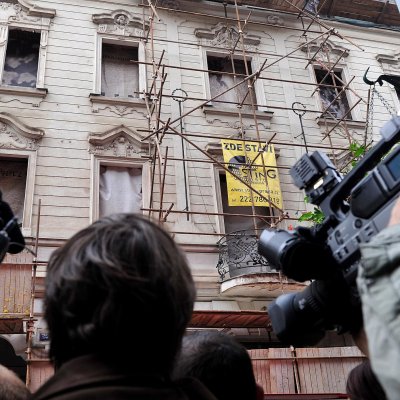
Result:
{"points": [[379, 286]]}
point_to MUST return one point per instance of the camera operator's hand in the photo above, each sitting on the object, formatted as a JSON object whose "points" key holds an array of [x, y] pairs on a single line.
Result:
{"points": [[395, 216]]}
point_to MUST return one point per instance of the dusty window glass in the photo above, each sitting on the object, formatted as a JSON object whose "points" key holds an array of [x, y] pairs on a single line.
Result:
{"points": [[120, 190], [22, 57], [13, 183], [219, 82], [340, 106], [119, 75]]}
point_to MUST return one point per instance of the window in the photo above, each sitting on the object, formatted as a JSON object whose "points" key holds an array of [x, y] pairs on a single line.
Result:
{"points": [[234, 223], [120, 189], [22, 58], [119, 72], [13, 174], [23, 48], [226, 75], [340, 106], [120, 77]]}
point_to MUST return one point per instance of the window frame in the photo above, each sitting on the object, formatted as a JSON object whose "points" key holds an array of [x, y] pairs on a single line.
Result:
{"points": [[258, 85], [219, 206], [31, 157], [27, 23], [129, 42], [345, 76], [99, 160]]}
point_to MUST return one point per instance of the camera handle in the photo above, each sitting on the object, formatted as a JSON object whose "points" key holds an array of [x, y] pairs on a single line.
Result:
{"points": [[333, 204]]}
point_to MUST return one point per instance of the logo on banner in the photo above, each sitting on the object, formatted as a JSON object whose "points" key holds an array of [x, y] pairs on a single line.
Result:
{"points": [[255, 164]]}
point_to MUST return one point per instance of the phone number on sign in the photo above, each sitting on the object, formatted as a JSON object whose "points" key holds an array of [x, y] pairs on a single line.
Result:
{"points": [[259, 199]]}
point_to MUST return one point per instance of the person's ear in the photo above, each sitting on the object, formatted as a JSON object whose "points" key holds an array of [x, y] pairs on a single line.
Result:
{"points": [[260, 392]]}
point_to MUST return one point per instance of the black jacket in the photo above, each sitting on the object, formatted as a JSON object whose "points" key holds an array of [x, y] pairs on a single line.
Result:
{"points": [[90, 378]]}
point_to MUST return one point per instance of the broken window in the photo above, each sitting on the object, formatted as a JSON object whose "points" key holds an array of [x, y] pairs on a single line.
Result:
{"points": [[22, 57], [13, 173], [119, 72], [223, 79], [338, 106], [120, 190]]}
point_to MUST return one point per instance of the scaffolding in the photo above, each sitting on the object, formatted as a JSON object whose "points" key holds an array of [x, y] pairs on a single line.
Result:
{"points": [[315, 37], [313, 50]]}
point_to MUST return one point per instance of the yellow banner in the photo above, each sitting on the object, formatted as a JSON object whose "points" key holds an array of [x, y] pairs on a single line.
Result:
{"points": [[239, 155]]}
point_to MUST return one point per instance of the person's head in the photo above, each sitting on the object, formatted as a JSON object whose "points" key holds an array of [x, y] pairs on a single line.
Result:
{"points": [[11, 387], [221, 363], [122, 290], [362, 384]]}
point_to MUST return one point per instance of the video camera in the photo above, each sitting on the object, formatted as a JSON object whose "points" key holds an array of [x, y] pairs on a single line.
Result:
{"points": [[356, 208], [11, 239]]}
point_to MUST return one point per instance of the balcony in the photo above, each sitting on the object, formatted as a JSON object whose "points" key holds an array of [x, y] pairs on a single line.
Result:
{"points": [[238, 256]]}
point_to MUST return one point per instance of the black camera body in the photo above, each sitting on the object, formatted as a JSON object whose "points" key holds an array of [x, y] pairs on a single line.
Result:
{"points": [[356, 208]]}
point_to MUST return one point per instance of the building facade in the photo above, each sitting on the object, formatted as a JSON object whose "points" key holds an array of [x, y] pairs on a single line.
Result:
{"points": [[127, 105]]}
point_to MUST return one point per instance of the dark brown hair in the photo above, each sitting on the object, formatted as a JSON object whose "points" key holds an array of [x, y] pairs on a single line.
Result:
{"points": [[221, 363], [362, 384], [122, 290]]}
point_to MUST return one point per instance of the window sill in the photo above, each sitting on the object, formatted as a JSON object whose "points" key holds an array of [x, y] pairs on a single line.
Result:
{"points": [[211, 110], [332, 122], [117, 101]]}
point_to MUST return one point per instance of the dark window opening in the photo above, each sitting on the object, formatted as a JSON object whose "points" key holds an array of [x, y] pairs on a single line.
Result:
{"points": [[22, 58], [119, 72], [13, 173], [339, 107], [220, 82]]}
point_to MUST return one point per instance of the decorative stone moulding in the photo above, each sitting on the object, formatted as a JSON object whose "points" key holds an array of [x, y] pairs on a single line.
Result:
{"points": [[222, 36], [390, 62], [16, 135], [321, 48], [121, 23], [23, 12], [118, 142], [120, 107]]}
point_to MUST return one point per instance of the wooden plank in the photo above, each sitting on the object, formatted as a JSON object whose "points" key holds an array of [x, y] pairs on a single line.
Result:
{"points": [[15, 287], [40, 372]]}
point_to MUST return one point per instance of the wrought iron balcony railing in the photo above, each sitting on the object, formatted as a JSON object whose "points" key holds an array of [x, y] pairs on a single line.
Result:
{"points": [[238, 255]]}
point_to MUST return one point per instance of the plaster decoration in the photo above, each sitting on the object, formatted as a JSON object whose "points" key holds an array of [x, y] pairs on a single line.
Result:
{"points": [[223, 36], [120, 23], [326, 50], [16, 135], [274, 20], [117, 109], [236, 124], [117, 142], [390, 62], [23, 11], [25, 97]]}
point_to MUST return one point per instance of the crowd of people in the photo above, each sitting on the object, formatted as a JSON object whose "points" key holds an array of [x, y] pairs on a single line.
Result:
{"points": [[119, 296]]}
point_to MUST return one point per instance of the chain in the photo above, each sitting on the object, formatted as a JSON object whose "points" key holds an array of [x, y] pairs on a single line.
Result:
{"points": [[389, 108], [370, 116]]}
